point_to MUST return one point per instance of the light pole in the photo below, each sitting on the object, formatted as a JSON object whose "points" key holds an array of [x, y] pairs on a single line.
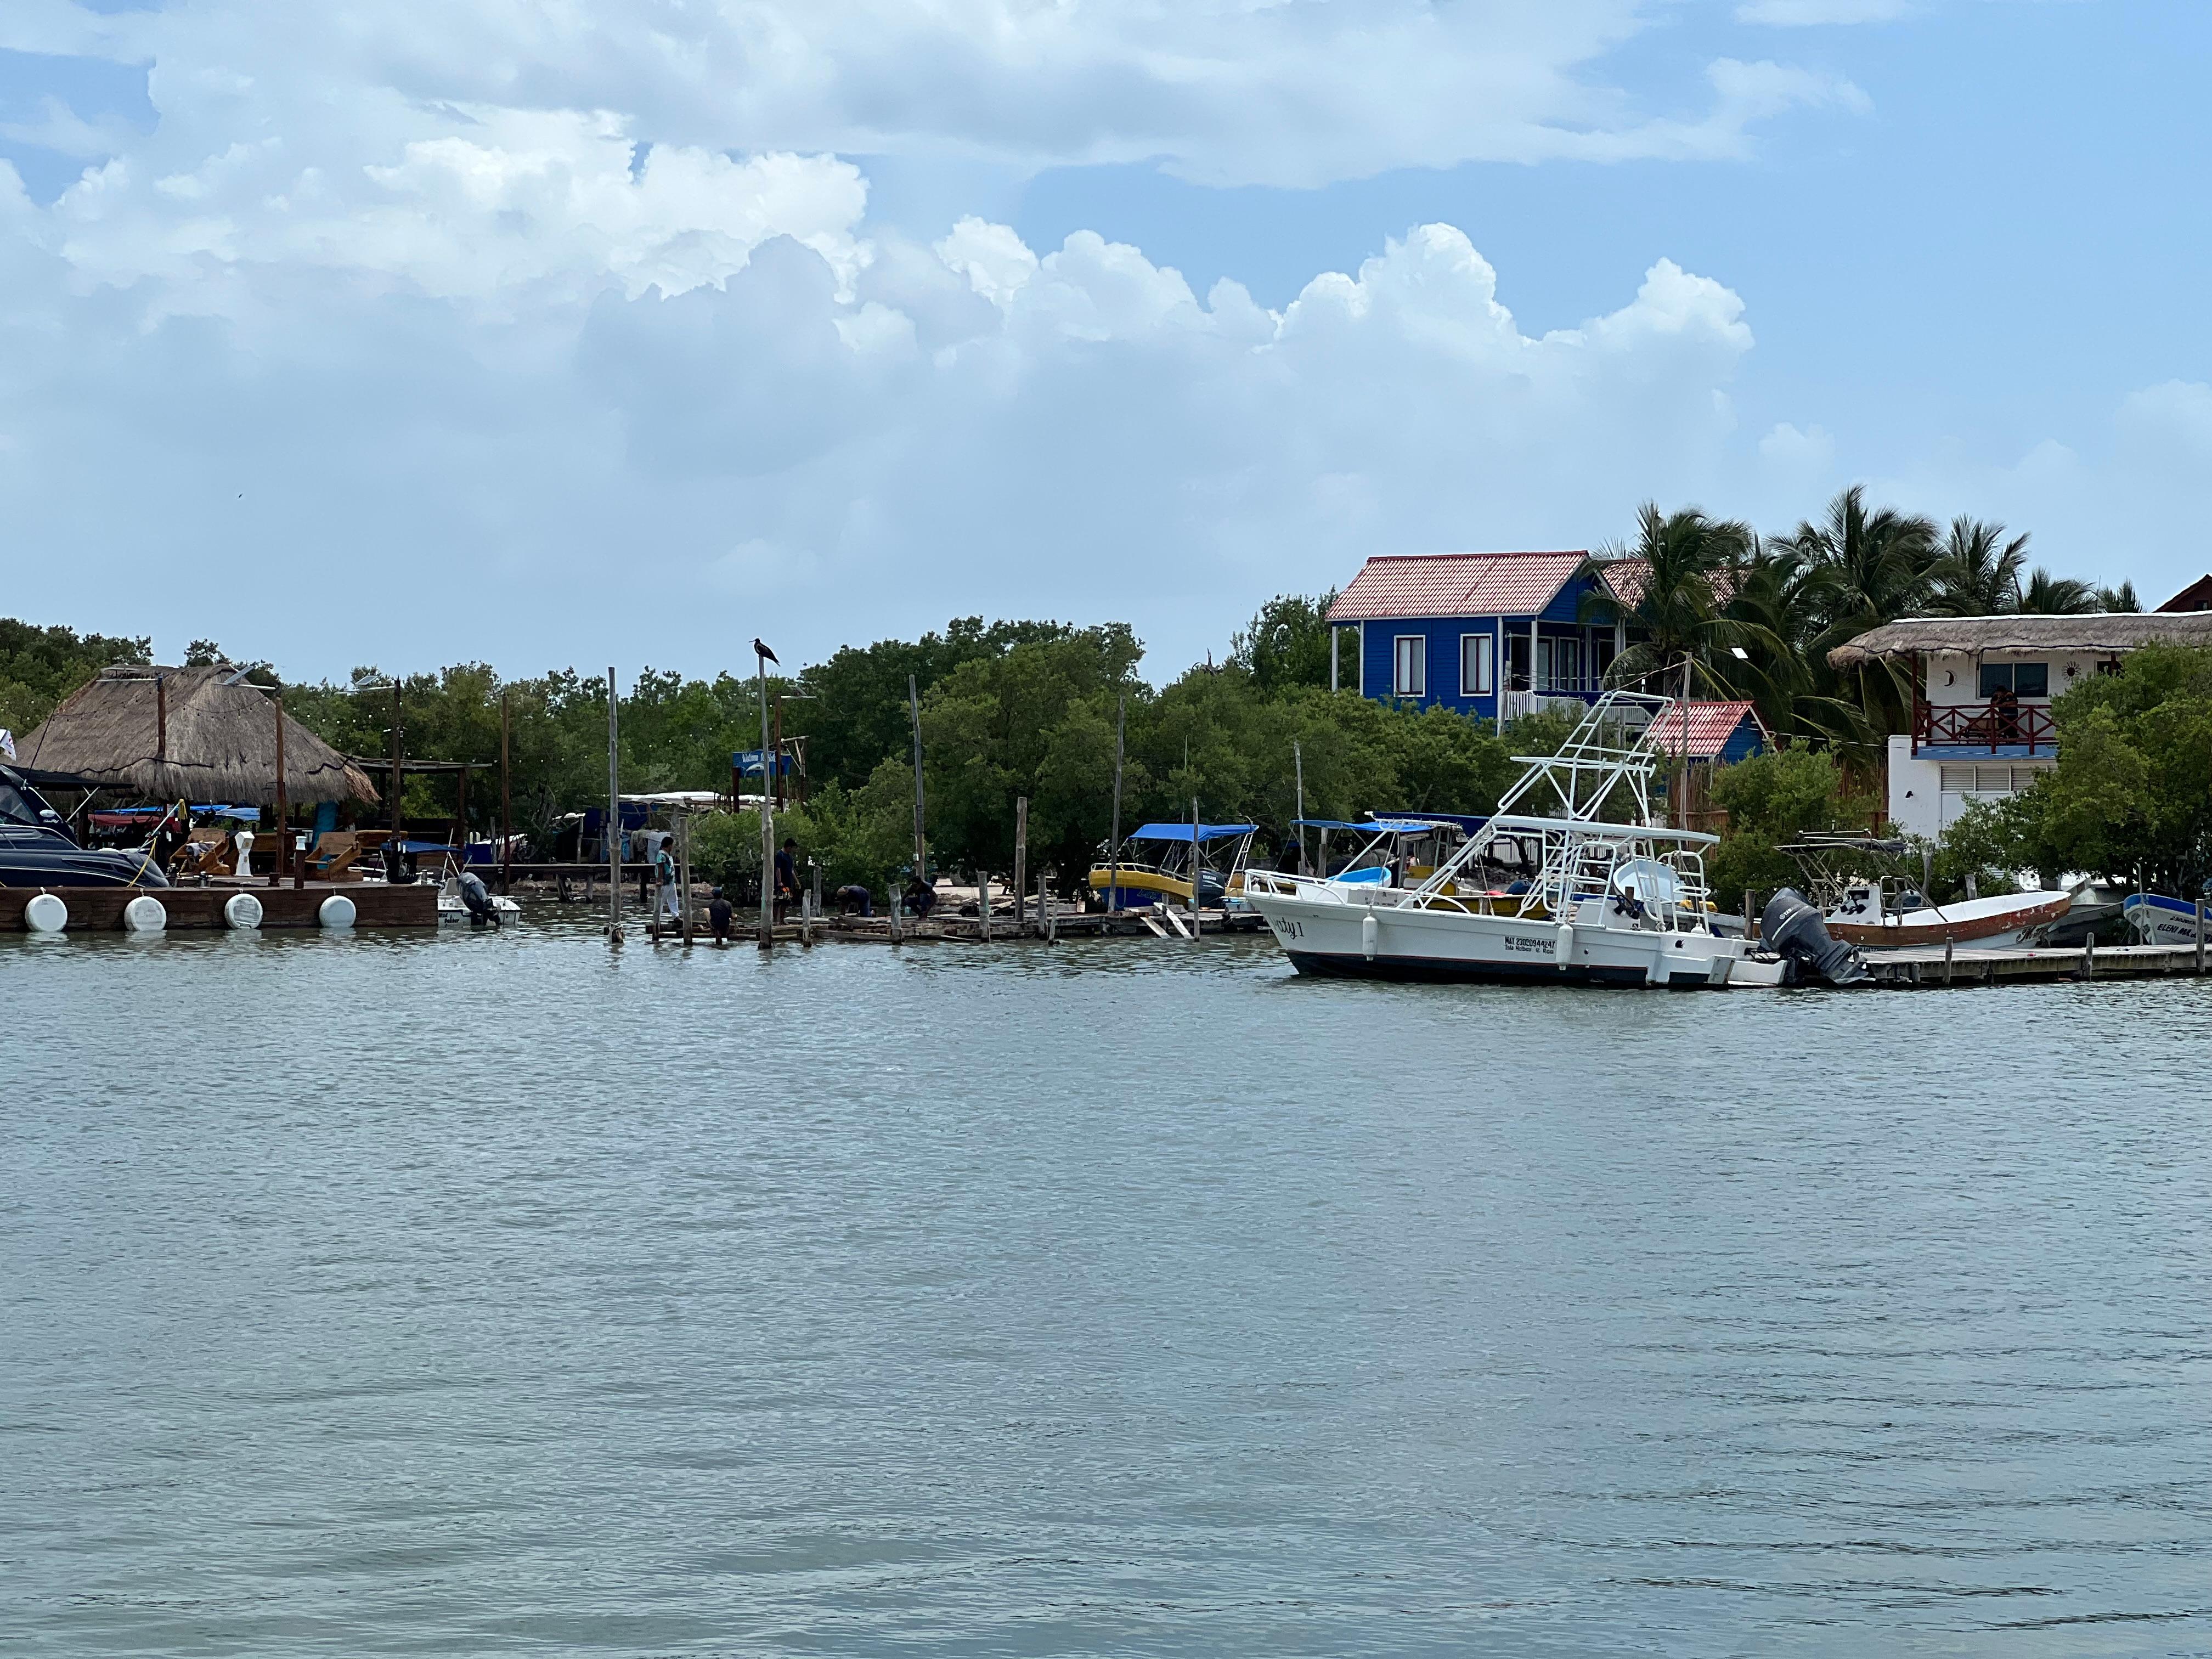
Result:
{"points": [[762, 657]]}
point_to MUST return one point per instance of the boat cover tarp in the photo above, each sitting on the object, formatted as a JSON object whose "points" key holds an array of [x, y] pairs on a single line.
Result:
{"points": [[1181, 832]]}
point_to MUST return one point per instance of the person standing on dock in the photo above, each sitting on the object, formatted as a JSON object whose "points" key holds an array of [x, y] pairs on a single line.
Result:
{"points": [[663, 869], [787, 876]]}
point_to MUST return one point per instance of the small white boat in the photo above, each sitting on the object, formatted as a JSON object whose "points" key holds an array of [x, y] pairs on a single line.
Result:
{"points": [[1872, 912], [454, 904], [2158, 920], [1610, 902]]}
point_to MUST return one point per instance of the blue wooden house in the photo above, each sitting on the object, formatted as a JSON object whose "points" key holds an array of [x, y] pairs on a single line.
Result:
{"points": [[1470, 631]]}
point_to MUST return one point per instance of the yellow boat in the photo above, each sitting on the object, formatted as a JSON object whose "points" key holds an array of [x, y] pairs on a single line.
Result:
{"points": [[1154, 866]]}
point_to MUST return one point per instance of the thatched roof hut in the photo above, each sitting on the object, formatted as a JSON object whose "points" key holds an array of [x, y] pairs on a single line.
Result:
{"points": [[196, 733], [2107, 631]]}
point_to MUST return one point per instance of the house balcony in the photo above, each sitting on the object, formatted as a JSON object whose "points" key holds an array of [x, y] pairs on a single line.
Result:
{"points": [[1962, 730]]}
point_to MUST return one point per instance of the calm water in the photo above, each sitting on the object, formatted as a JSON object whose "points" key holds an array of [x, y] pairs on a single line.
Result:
{"points": [[483, 1295]]}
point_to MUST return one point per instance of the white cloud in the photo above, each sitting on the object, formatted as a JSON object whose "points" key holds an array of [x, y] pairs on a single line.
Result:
{"points": [[1222, 91], [1798, 14]]}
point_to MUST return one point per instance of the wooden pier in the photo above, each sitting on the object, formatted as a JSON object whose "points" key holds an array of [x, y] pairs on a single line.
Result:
{"points": [[100, 910], [1929, 966]]}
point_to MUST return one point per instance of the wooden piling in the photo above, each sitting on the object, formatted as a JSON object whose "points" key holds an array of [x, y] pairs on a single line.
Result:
{"points": [[613, 814], [283, 822], [1947, 958], [1194, 930], [920, 846], [1021, 864], [1114, 836], [983, 901], [506, 796], [2200, 937]]}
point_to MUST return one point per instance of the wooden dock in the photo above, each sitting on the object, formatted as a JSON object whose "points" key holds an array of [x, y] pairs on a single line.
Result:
{"points": [[1929, 966], [100, 910]]}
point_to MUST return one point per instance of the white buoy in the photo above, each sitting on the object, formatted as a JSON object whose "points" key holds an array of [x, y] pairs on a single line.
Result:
{"points": [[45, 914], [145, 914], [242, 911], [336, 911]]}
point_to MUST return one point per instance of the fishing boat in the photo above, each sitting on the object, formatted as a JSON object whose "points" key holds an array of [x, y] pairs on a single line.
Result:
{"points": [[2158, 920], [37, 850], [1154, 864], [1609, 900], [1856, 883]]}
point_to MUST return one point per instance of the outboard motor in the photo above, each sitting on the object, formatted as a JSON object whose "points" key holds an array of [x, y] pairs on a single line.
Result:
{"points": [[478, 897], [1792, 929]]}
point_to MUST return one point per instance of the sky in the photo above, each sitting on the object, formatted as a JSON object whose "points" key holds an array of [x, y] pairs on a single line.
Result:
{"points": [[618, 332]]}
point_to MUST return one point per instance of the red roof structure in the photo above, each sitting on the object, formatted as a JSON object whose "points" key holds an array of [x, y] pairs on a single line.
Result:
{"points": [[1455, 584], [1710, 727], [2197, 596]]}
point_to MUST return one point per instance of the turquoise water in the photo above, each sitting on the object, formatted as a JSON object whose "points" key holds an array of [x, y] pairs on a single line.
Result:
{"points": [[486, 1294]]}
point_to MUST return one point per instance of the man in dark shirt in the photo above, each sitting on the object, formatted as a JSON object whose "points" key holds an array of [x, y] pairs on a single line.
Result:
{"points": [[718, 917]]}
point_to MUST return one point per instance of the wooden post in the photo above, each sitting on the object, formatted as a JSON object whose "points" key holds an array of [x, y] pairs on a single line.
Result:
{"points": [[1682, 754], [461, 811], [1021, 864], [1298, 772], [1045, 908], [506, 796], [897, 899], [983, 901], [284, 820], [1748, 934], [920, 846], [2200, 936], [1947, 958], [767, 819], [614, 813], [683, 871], [1194, 869], [2089, 956], [398, 760], [1113, 837]]}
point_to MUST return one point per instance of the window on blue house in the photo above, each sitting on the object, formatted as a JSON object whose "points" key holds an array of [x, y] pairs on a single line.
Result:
{"points": [[1474, 651], [1411, 678]]}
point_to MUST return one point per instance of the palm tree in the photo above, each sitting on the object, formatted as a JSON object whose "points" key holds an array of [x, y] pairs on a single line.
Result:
{"points": [[1776, 607], [1676, 614], [1979, 573], [2046, 595], [1868, 569], [2122, 597]]}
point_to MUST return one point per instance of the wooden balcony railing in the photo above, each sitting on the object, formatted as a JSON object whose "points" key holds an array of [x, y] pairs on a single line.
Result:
{"points": [[1994, 727]]}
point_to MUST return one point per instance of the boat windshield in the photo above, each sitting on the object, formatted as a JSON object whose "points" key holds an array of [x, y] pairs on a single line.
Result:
{"points": [[21, 805]]}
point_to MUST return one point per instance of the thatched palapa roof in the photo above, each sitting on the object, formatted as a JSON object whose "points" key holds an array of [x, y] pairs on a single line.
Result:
{"points": [[2109, 631], [197, 733]]}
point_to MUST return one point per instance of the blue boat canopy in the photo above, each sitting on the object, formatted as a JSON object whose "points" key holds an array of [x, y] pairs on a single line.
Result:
{"points": [[1181, 832], [1406, 823], [1326, 824]]}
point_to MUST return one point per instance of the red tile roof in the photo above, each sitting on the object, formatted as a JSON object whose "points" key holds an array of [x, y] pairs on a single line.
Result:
{"points": [[1455, 584], [1626, 577], [1712, 724]]}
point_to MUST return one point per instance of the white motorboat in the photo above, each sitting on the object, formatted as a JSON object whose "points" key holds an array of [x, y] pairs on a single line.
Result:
{"points": [[1611, 902], [2158, 920], [453, 905]]}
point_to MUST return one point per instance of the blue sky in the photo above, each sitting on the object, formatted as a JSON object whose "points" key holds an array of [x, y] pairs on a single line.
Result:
{"points": [[834, 322]]}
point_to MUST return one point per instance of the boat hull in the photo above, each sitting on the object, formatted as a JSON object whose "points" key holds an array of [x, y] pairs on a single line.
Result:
{"points": [[1445, 943], [1990, 924]]}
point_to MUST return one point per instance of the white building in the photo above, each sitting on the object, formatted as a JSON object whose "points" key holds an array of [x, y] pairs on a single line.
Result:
{"points": [[1982, 688]]}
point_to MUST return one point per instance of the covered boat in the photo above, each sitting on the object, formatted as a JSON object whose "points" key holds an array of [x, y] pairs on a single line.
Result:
{"points": [[1154, 863]]}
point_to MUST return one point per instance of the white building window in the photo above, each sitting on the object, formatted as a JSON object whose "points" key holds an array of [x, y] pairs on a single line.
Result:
{"points": [[1411, 678], [1474, 651]]}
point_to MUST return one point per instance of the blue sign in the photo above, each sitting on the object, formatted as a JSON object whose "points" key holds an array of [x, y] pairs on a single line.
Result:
{"points": [[747, 763]]}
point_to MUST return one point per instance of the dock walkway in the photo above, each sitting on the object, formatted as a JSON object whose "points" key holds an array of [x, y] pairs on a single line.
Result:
{"points": [[1928, 967]]}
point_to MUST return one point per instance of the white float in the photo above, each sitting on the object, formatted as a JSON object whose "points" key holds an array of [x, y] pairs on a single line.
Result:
{"points": [[242, 911], [336, 911], [145, 914], [45, 914]]}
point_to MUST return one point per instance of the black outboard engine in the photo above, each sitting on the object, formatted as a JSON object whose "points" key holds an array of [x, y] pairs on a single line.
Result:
{"points": [[1792, 929], [478, 897]]}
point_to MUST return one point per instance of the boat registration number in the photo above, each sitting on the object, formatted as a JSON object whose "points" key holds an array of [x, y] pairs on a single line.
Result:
{"points": [[1523, 944], [1289, 929]]}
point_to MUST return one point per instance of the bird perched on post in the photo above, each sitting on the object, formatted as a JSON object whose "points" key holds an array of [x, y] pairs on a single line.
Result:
{"points": [[760, 650]]}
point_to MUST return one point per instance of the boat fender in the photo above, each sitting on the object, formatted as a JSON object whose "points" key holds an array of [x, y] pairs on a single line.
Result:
{"points": [[145, 915], [1369, 935], [1658, 972], [242, 911], [1563, 943], [45, 914], [336, 911]]}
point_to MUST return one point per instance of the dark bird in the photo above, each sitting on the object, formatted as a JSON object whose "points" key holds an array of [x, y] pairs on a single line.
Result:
{"points": [[762, 651]]}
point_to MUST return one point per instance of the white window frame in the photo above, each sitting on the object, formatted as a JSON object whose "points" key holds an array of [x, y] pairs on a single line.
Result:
{"points": [[1479, 683], [1398, 664]]}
